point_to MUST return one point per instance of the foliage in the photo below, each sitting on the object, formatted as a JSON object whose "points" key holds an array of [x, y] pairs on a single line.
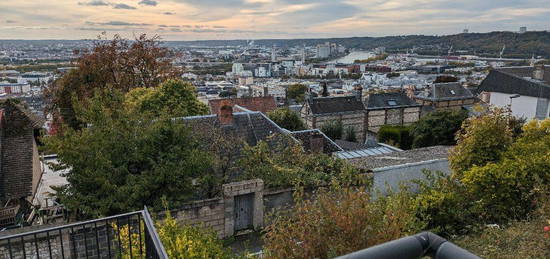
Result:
{"points": [[338, 221], [519, 239], [392, 74], [445, 79], [297, 92], [333, 129], [351, 135], [395, 135], [131, 244], [285, 164], [287, 119], [507, 187], [184, 241], [482, 139], [173, 97], [117, 64], [124, 159], [437, 128]]}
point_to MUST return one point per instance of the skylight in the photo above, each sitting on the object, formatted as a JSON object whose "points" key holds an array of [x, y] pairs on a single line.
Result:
{"points": [[392, 102]]}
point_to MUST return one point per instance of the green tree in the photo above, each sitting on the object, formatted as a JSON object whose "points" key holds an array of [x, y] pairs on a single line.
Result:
{"points": [[482, 139], [126, 159], [287, 119], [117, 64], [297, 92], [333, 129], [174, 97], [398, 136], [285, 164], [437, 128]]}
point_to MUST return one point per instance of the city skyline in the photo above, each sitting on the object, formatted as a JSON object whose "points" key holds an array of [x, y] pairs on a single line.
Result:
{"points": [[256, 19]]}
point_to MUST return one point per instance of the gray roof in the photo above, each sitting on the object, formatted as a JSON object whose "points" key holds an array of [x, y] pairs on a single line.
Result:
{"points": [[445, 92], [339, 104], [389, 100], [402, 157], [366, 152], [517, 80]]}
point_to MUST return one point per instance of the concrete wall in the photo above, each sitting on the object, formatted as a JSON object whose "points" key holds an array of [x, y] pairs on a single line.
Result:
{"points": [[390, 178], [523, 106]]}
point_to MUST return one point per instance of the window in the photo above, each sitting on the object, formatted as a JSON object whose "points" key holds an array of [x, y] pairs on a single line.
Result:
{"points": [[453, 92], [392, 102]]}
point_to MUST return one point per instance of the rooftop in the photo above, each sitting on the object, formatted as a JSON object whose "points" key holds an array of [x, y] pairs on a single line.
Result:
{"points": [[517, 80], [339, 104], [402, 157], [389, 100]]}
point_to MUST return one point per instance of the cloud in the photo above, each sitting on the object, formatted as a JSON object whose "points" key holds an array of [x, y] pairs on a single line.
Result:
{"points": [[123, 6], [94, 3], [118, 23], [148, 2], [168, 13]]}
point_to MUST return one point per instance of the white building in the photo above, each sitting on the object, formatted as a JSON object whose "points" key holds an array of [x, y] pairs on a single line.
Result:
{"points": [[525, 89]]}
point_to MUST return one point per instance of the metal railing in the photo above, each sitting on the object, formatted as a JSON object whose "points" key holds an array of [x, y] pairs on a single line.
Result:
{"points": [[130, 235]]}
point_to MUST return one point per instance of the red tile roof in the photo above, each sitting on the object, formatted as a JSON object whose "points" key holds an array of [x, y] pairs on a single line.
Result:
{"points": [[262, 104]]}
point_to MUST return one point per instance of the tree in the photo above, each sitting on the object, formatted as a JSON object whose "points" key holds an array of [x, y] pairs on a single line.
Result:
{"points": [[173, 97], [482, 139], [395, 135], [283, 163], [287, 119], [296, 92], [351, 134], [445, 79], [333, 129], [338, 221], [437, 128], [126, 159], [116, 64]]}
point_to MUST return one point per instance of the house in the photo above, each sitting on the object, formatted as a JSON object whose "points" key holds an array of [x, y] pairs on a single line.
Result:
{"points": [[20, 169], [263, 104], [442, 96], [525, 89], [391, 109], [350, 110], [391, 169]]}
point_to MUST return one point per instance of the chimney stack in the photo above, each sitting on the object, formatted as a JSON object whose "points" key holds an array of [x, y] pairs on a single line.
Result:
{"points": [[358, 92], [316, 143], [266, 91], [226, 114], [538, 73]]}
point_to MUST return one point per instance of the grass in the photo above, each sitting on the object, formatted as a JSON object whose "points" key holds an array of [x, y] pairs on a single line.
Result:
{"points": [[520, 239]]}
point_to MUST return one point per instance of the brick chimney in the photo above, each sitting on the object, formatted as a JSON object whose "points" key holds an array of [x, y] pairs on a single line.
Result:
{"points": [[316, 143], [358, 92], [538, 73], [226, 114]]}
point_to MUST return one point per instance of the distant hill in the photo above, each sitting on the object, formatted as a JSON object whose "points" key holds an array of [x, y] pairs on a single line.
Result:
{"points": [[520, 45]]}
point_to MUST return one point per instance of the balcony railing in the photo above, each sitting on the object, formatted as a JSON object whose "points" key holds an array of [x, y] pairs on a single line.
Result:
{"points": [[130, 235]]}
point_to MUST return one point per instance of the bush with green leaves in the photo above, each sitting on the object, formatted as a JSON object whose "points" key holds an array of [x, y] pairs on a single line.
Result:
{"points": [[351, 135], [437, 128], [333, 129], [398, 136], [287, 119]]}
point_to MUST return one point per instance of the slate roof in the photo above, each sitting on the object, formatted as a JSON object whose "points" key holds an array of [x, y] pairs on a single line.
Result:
{"points": [[339, 104], [389, 100], [517, 80], [402, 157], [254, 127], [445, 92], [304, 136], [263, 104]]}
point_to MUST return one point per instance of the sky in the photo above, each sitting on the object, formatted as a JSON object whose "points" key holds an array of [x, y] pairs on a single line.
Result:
{"points": [[255, 19]]}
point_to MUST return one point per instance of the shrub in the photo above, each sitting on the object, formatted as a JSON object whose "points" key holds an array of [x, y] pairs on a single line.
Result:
{"points": [[395, 135], [351, 134], [287, 119], [339, 221], [437, 128], [333, 129]]}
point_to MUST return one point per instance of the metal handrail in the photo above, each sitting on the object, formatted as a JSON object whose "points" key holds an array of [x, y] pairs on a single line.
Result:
{"points": [[161, 252]]}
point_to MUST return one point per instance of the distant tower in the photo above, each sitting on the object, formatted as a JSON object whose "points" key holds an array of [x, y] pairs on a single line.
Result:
{"points": [[304, 54], [273, 55], [533, 61], [522, 29], [466, 31]]}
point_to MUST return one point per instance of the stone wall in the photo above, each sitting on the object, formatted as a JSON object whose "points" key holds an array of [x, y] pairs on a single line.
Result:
{"points": [[207, 213]]}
